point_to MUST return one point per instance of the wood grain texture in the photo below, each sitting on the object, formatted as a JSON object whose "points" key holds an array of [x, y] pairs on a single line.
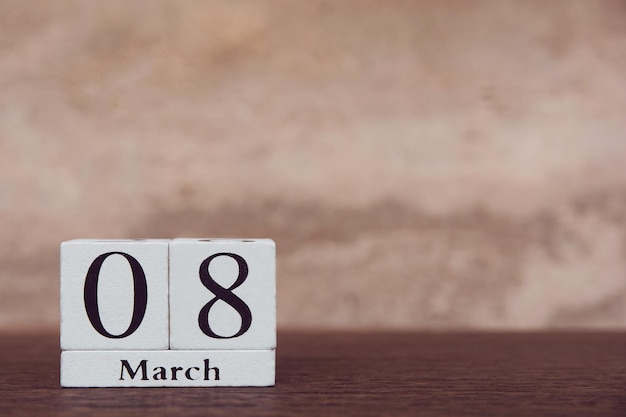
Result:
{"points": [[541, 374]]}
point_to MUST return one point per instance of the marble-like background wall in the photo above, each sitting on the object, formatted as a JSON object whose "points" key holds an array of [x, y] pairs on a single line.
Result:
{"points": [[443, 164]]}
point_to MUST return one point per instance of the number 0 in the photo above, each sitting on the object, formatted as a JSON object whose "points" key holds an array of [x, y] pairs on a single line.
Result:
{"points": [[91, 295]]}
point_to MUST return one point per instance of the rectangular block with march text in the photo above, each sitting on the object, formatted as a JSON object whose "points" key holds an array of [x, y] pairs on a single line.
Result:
{"points": [[168, 368]]}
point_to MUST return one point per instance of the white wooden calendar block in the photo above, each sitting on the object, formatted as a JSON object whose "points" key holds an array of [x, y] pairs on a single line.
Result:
{"points": [[114, 294], [222, 294], [168, 368]]}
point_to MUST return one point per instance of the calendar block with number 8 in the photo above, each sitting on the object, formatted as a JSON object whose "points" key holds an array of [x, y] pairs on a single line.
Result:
{"points": [[183, 312]]}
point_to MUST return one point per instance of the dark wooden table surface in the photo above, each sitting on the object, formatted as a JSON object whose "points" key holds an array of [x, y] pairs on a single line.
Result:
{"points": [[334, 374]]}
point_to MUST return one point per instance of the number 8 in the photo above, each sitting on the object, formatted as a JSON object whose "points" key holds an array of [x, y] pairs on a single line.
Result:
{"points": [[224, 294]]}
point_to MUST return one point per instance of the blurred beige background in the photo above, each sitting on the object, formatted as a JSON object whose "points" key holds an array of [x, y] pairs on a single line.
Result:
{"points": [[433, 164]]}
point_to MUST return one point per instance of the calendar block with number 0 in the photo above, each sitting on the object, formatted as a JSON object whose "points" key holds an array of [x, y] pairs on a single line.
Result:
{"points": [[182, 312]]}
